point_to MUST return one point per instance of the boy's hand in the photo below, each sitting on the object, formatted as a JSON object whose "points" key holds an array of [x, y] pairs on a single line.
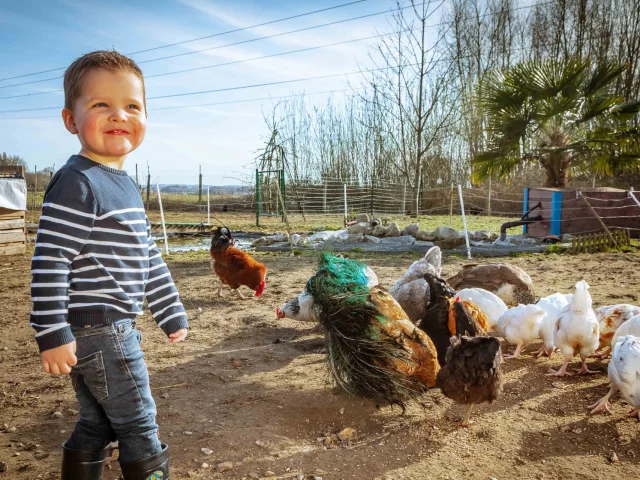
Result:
{"points": [[178, 336], [59, 360]]}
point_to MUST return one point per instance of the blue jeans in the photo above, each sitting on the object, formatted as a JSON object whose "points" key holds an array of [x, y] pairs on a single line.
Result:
{"points": [[112, 386]]}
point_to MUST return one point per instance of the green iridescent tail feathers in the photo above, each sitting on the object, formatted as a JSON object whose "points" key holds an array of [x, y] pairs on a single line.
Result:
{"points": [[360, 353]]}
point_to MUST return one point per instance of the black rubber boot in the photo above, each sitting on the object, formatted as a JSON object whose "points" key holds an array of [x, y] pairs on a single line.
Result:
{"points": [[152, 468], [83, 464]]}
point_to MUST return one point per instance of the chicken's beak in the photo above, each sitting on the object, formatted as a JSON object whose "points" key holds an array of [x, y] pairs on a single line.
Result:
{"points": [[279, 314]]}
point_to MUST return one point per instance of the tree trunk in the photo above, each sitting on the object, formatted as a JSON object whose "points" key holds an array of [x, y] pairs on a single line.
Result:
{"points": [[556, 166]]}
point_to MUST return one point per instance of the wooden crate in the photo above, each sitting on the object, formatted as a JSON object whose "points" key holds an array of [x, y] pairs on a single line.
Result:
{"points": [[13, 231], [599, 241]]}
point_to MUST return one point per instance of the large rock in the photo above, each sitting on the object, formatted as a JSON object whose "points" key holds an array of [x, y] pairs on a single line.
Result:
{"points": [[400, 240], [393, 230], [450, 243], [446, 233], [480, 236], [327, 235], [271, 239], [411, 229], [425, 236], [296, 239], [362, 218], [379, 230], [372, 239], [361, 228], [355, 238], [376, 221]]}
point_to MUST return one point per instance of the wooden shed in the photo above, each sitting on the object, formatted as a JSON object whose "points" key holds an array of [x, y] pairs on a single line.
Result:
{"points": [[563, 211], [13, 193]]}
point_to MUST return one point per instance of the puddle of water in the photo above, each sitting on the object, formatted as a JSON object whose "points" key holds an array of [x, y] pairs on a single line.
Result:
{"points": [[192, 244]]}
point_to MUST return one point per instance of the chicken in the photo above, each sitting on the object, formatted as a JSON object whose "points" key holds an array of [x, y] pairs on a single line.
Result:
{"points": [[577, 330], [412, 291], [488, 302], [610, 317], [471, 373], [520, 326], [630, 327], [373, 349], [446, 318], [234, 267], [552, 306], [512, 284], [624, 375]]}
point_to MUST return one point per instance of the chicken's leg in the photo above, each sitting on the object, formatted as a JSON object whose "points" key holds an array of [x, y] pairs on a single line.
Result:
{"points": [[602, 355], [516, 353], [465, 420], [635, 413], [563, 370], [240, 295], [219, 287], [585, 370], [603, 404]]}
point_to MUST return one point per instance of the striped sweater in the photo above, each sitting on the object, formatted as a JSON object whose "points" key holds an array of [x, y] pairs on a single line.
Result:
{"points": [[95, 261]]}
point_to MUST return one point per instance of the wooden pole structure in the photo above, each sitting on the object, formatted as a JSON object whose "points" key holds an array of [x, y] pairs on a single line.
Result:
{"points": [[489, 200], [613, 240], [345, 204], [257, 197], [164, 228], [404, 198], [284, 216], [208, 207], [451, 205], [324, 198], [464, 222], [137, 181], [200, 187], [148, 185]]}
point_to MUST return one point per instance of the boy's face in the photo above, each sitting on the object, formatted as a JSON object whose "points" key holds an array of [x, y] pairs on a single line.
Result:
{"points": [[109, 115]]}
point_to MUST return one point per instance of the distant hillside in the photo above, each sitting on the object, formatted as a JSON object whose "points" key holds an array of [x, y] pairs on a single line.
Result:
{"points": [[214, 189]]}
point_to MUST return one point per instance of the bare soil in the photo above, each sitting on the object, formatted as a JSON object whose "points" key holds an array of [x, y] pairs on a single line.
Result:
{"points": [[256, 391]]}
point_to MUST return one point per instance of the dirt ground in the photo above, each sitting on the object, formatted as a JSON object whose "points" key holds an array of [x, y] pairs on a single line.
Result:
{"points": [[255, 391]]}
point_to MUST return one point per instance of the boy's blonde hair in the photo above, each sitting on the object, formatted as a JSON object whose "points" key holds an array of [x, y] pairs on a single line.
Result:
{"points": [[106, 59]]}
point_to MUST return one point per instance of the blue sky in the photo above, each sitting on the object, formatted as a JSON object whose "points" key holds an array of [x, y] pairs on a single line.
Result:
{"points": [[48, 34]]}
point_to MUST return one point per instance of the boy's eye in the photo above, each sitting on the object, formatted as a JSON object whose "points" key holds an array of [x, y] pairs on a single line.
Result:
{"points": [[133, 106], [100, 104]]}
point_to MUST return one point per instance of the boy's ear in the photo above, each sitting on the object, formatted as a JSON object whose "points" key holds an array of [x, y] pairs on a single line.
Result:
{"points": [[69, 121]]}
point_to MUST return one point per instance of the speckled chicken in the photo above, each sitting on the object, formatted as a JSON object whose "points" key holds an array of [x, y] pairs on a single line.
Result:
{"points": [[610, 317], [512, 284], [472, 373], [412, 291]]}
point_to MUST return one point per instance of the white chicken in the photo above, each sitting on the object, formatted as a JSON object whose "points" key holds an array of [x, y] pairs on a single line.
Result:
{"points": [[488, 302], [552, 306], [624, 375], [577, 330], [610, 317], [520, 326], [412, 290], [630, 327]]}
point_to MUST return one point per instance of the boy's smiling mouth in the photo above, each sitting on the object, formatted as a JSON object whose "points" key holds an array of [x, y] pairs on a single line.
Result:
{"points": [[117, 132]]}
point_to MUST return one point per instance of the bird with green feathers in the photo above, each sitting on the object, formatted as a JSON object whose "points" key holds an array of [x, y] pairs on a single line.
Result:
{"points": [[373, 349]]}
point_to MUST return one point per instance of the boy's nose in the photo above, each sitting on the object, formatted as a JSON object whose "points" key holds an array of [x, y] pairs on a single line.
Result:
{"points": [[118, 116]]}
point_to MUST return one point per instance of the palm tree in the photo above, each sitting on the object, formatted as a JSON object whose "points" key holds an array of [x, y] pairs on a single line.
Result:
{"points": [[565, 116]]}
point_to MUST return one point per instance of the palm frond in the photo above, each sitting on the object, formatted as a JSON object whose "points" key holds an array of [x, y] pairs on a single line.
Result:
{"points": [[603, 75]]}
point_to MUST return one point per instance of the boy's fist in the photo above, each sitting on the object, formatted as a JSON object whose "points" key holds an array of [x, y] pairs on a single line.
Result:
{"points": [[59, 360], [178, 336]]}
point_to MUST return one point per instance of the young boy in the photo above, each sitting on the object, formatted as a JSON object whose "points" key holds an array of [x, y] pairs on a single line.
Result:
{"points": [[94, 264]]}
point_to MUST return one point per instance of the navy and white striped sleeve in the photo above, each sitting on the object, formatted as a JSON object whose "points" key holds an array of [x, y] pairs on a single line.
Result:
{"points": [[68, 214], [161, 293]]}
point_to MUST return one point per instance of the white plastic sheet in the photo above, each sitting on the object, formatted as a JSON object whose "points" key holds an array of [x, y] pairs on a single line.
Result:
{"points": [[13, 193]]}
